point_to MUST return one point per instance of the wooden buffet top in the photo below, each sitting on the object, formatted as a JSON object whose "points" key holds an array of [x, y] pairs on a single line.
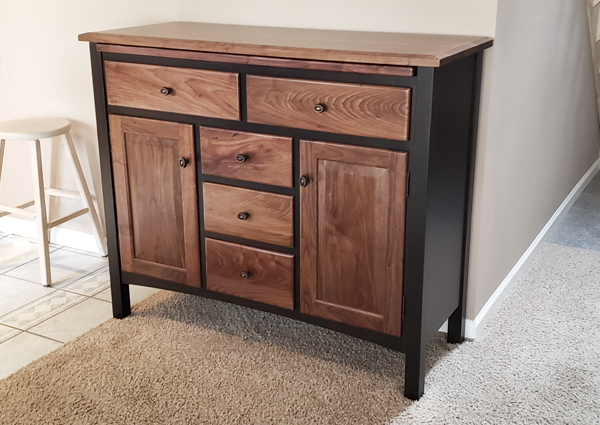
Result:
{"points": [[399, 49]]}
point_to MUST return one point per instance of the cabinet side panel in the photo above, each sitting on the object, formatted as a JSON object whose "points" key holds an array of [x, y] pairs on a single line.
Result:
{"points": [[447, 194]]}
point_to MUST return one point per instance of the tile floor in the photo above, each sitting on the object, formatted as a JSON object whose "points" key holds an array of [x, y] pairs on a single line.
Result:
{"points": [[34, 319]]}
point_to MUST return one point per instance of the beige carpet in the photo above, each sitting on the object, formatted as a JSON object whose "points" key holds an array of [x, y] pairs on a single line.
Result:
{"points": [[185, 360]]}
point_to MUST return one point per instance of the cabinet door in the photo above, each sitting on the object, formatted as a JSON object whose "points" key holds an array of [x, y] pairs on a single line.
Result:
{"points": [[156, 198], [352, 234]]}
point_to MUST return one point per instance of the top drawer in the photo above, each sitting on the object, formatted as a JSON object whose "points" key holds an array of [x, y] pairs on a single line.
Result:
{"points": [[184, 91], [357, 109]]}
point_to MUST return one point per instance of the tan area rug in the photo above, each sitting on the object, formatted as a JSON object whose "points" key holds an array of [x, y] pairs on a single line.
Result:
{"points": [[185, 360], [181, 359]]}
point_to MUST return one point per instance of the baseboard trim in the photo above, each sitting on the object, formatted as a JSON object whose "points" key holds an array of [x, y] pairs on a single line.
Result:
{"points": [[491, 306], [58, 235]]}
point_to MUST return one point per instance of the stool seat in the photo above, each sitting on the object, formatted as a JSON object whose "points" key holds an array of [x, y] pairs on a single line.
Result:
{"points": [[33, 128]]}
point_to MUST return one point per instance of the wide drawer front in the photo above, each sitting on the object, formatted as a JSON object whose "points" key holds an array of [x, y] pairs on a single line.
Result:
{"points": [[357, 109], [249, 214], [252, 157], [180, 90], [250, 273]]}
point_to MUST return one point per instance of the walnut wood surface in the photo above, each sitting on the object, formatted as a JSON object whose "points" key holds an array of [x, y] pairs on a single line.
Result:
{"points": [[270, 215], [268, 158], [271, 277], [156, 200], [194, 92], [398, 71], [358, 109], [292, 43], [352, 234]]}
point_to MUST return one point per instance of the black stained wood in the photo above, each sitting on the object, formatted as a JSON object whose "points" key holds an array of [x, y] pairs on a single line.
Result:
{"points": [[456, 322], [121, 304]]}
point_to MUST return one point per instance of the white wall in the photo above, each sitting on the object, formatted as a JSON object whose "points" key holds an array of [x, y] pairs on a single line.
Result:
{"points": [[539, 133]]}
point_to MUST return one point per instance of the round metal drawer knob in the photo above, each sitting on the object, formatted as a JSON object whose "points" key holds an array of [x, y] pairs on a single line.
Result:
{"points": [[243, 216], [183, 162], [319, 107], [166, 91], [241, 158], [303, 181], [245, 274]]}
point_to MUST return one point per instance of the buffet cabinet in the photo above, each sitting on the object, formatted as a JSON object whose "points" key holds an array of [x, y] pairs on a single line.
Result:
{"points": [[324, 176]]}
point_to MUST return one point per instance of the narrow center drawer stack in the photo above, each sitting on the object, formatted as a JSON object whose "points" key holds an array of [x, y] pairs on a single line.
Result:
{"points": [[235, 269]]}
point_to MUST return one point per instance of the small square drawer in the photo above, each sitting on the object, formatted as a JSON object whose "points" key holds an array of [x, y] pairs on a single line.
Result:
{"points": [[356, 109], [162, 88], [251, 273], [259, 158], [250, 214]]}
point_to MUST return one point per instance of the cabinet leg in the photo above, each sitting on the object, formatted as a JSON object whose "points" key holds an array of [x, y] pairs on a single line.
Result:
{"points": [[456, 325], [414, 375], [121, 304]]}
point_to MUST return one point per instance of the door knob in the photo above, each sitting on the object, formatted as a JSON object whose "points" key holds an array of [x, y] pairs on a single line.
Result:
{"points": [[243, 216], [183, 162], [241, 158], [303, 181], [166, 91], [245, 274]]}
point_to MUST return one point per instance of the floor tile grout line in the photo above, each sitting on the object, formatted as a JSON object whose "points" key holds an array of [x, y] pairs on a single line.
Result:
{"points": [[25, 305], [84, 276], [45, 337], [88, 273], [78, 251], [12, 327], [28, 305], [33, 259], [11, 337], [19, 265], [85, 295], [54, 315], [51, 293]]}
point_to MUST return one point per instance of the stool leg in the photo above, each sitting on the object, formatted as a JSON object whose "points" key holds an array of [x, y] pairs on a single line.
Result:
{"points": [[85, 194], [40, 212]]}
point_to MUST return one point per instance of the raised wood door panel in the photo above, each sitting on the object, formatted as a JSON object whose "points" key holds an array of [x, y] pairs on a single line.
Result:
{"points": [[188, 91], [156, 199], [352, 234], [250, 214], [357, 109], [260, 158], [251, 273]]}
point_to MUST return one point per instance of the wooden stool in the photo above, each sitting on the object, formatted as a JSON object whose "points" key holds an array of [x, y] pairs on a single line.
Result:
{"points": [[34, 129]]}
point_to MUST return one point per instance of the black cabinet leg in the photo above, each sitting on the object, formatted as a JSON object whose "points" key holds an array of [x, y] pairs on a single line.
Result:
{"points": [[456, 325], [121, 304], [414, 375]]}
